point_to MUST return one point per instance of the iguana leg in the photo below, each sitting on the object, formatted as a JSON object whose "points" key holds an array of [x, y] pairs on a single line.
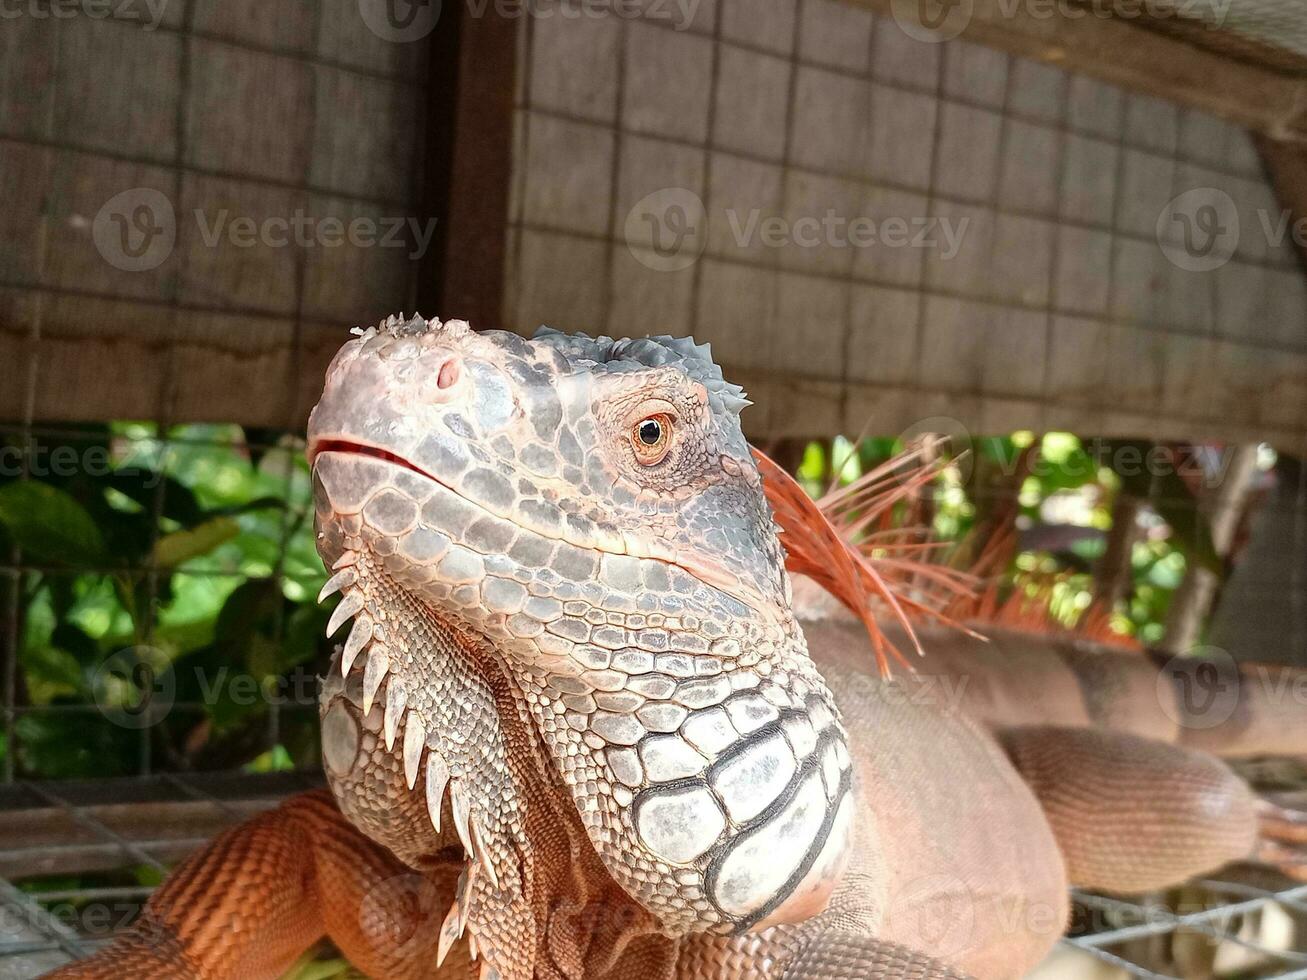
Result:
{"points": [[1283, 843], [1131, 814], [808, 951], [257, 896]]}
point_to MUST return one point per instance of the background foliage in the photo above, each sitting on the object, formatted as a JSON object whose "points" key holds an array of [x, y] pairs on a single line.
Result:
{"points": [[194, 545]]}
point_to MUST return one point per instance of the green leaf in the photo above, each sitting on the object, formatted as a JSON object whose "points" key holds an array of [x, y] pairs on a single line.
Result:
{"points": [[74, 746], [249, 609], [304, 632], [181, 546], [276, 759], [51, 672], [259, 503], [51, 525], [142, 486]]}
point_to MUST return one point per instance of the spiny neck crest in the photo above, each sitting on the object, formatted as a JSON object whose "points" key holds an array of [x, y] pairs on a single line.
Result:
{"points": [[437, 707]]}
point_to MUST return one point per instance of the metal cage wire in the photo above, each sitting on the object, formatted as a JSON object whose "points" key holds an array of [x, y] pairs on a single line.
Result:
{"points": [[30, 933]]}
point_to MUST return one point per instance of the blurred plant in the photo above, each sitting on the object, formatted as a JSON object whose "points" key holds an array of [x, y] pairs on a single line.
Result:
{"points": [[195, 542], [1050, 499]]}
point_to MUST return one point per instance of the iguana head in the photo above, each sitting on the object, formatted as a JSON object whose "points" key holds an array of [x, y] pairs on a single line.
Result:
{"points": [[588, 511]]}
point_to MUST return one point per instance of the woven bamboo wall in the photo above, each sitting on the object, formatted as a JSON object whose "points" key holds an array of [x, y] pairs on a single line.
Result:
{"points": [[1060, 309], [169, 129]]}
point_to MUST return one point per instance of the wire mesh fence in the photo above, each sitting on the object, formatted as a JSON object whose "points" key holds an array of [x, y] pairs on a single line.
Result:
{"points": [[87, 855], [157, 588], [134, 829], [179, 649], [1227, 918], [158, 582], [157, 622]]}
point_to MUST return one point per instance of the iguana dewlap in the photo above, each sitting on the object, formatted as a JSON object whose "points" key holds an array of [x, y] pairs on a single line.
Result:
{"points": [[576, 728]]}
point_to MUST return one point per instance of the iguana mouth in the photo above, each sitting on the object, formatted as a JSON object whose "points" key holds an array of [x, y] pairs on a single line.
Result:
{"points": [[702, 567], [351, 447]]}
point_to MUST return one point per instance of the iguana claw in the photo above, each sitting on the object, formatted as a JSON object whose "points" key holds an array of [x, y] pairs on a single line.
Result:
{"points": [[456, 918], [349, 607], [415, 738], [437, 779], [462, 812], [341, 580], [374, 673], [359, 636]]}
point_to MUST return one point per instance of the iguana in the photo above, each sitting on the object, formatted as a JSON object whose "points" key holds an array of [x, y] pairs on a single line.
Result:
{"points": [[577, 728]]}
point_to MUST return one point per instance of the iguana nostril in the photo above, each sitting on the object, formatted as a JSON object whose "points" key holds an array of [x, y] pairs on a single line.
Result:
{"points": [[449, 374]]}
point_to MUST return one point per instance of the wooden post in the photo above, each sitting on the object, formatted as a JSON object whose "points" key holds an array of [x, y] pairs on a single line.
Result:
{"points": [[1193, 599], [469, 165], [1112, 577]]}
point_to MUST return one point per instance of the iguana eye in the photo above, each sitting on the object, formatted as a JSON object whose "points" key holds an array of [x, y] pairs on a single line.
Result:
{"points": [[651, 438]]}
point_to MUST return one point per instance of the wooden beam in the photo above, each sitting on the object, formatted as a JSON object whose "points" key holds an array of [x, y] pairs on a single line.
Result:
{"points": [[469, 165], [1286, 166], [108, 823], [1125, 54]]}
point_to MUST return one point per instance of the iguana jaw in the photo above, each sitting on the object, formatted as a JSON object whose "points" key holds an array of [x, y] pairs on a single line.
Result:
{"points": [[697, 742], [701, 566]]}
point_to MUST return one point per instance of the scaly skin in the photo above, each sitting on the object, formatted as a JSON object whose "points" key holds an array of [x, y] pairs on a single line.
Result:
{"points": [[638, 607], [576, 731]]}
